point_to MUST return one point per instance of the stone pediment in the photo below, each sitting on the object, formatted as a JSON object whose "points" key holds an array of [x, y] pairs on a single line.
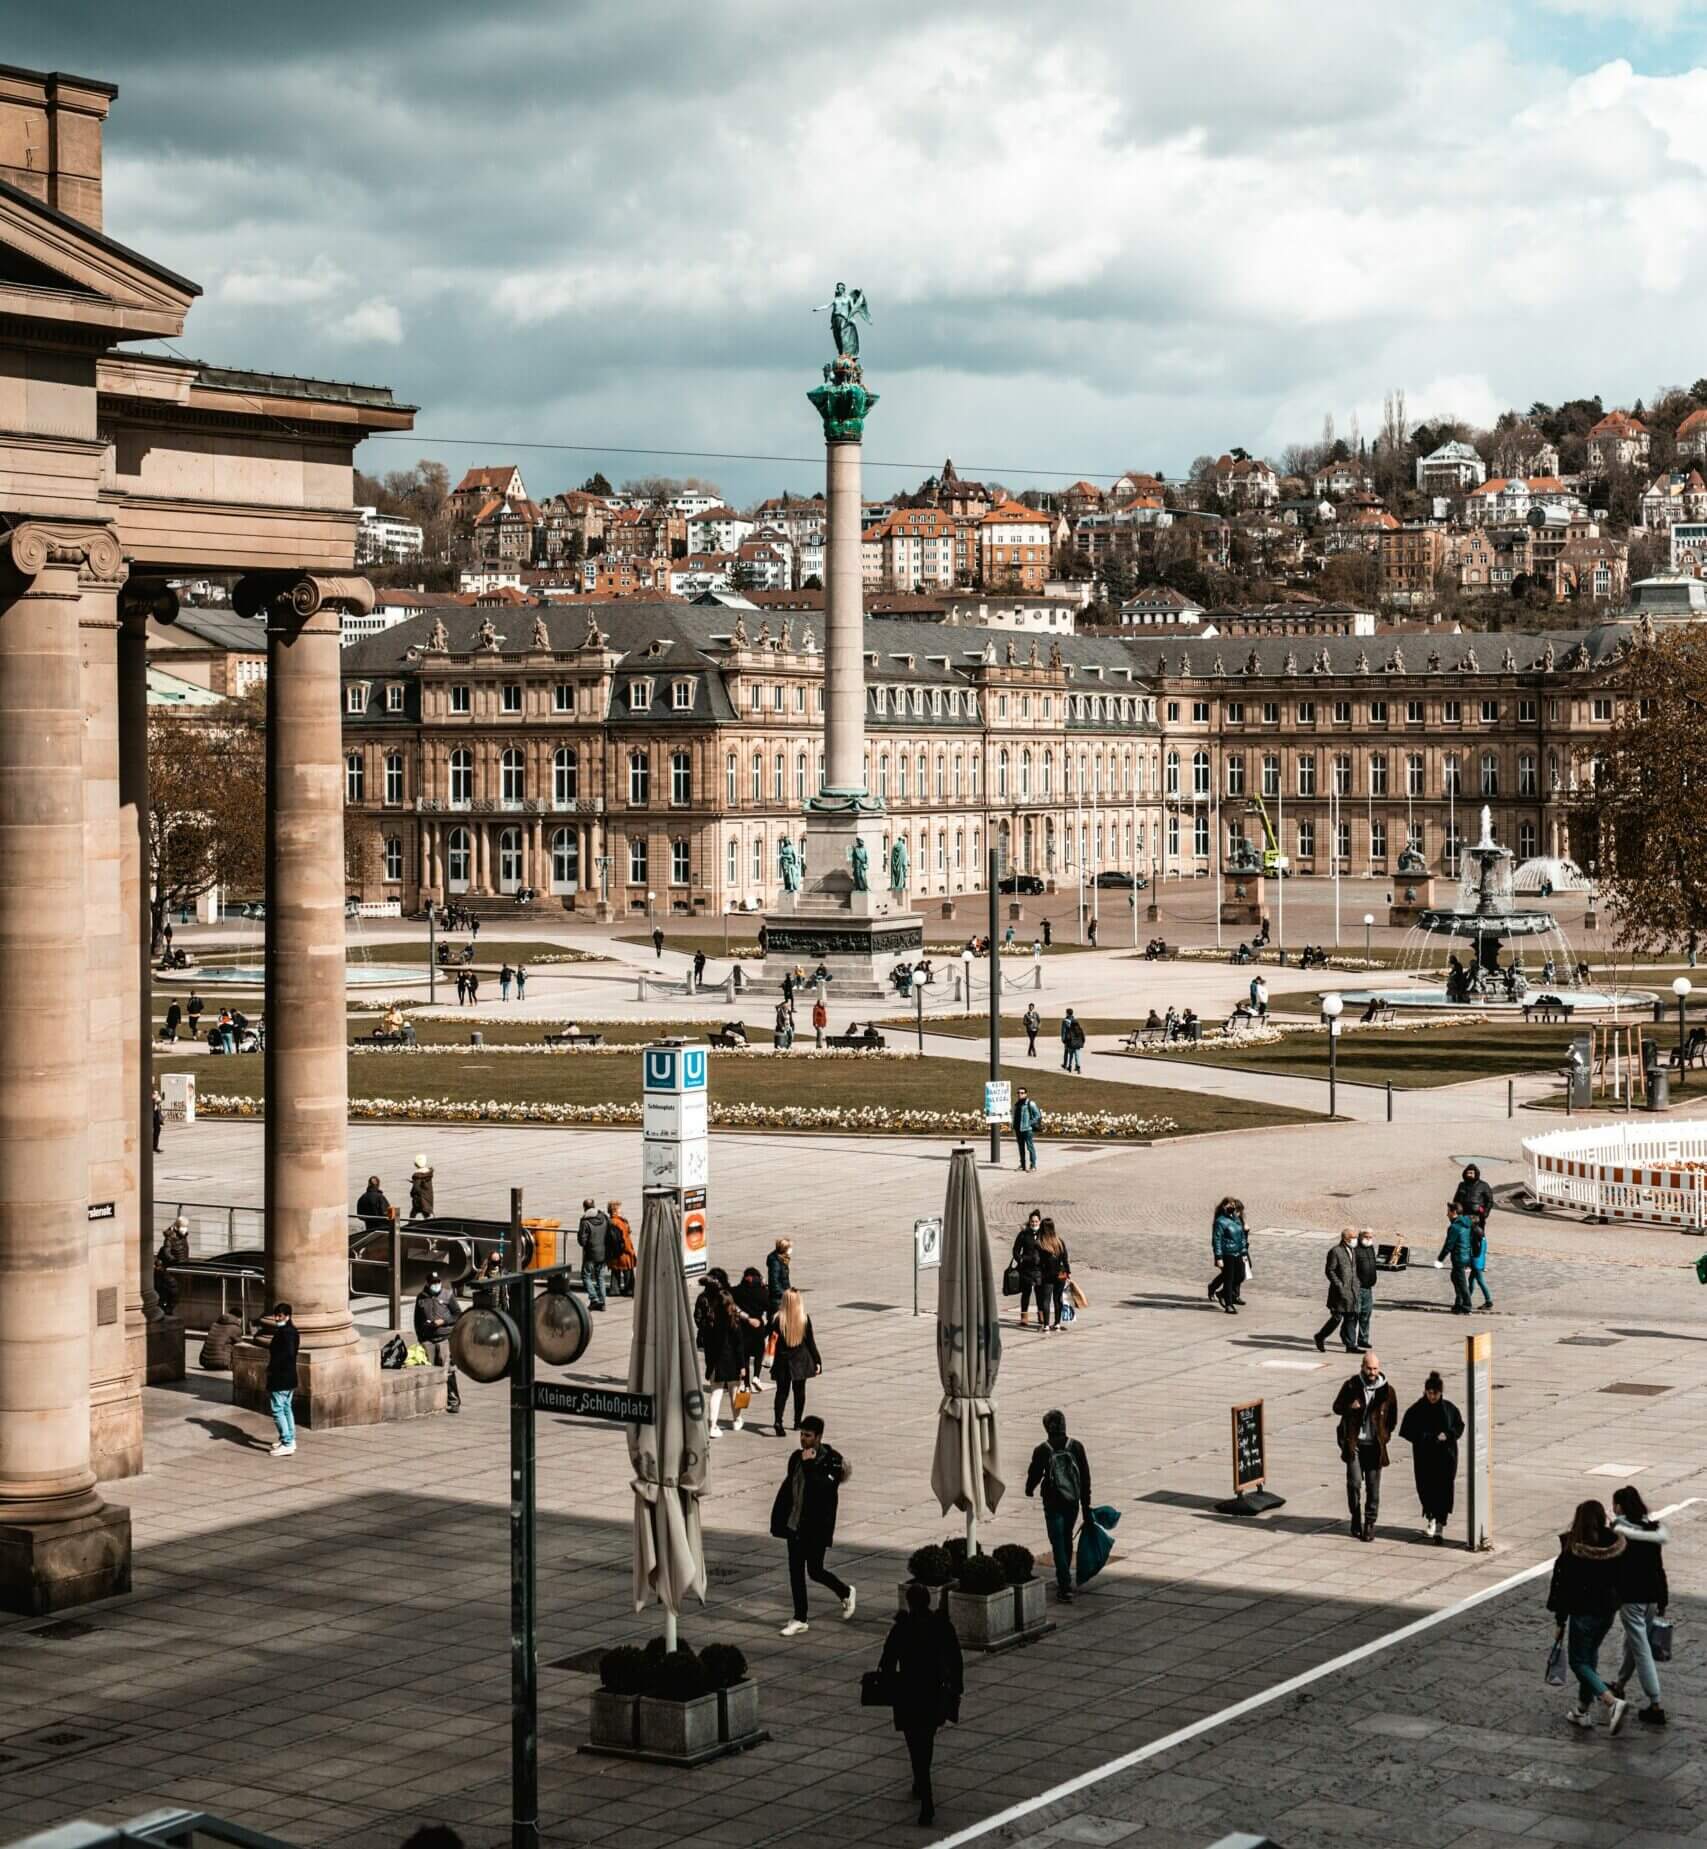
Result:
{"points": [[52, 268]]}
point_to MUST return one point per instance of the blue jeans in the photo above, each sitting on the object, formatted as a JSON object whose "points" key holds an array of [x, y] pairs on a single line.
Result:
{"points": [[1061, 1523], [1479, 1282], [282, 1402], [1027, 1141], [593, 1278], [1365, 1310], [1584, 1636], [1638, 1651]]}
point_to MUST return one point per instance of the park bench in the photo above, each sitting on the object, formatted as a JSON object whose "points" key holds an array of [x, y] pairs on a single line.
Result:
{"points": [[863, 1039], [1142, 1037], [1548, 1008], [724, 1038], [1694, 1050], [1381, 1015], [578, 1038], [380, 1038]]}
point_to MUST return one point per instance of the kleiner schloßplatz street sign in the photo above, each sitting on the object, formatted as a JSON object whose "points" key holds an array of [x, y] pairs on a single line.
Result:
{"points": [[592, 1403]]}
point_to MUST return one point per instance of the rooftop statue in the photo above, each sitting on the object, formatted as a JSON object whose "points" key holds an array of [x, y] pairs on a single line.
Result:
{"points": [[439, 641], [847, 309], [541, 635]]}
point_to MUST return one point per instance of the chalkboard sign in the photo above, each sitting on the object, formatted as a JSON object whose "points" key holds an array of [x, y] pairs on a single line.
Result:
{"points": [[1249, 1465]]}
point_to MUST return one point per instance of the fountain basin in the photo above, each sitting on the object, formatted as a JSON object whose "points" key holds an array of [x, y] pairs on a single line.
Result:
{"points": [[1653, 1173], [1635, 1002], [254, 976]]}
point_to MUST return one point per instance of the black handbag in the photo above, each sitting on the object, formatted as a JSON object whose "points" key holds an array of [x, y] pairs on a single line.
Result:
{"points": [[877, 1689], [1011, 1281]]}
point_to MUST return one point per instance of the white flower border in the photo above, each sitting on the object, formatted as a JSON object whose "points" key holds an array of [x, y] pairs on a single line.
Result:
{"points": [[635, 1047]]}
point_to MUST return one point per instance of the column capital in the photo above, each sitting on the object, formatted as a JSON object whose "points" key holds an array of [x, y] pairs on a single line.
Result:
{"points": [[30, 547], [298, 601], [146, 600]]}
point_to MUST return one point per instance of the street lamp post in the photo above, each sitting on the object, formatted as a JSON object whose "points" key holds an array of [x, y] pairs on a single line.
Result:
{"points": [[1368, 920], [1332, 1008], [1681, 988], [966, 977]]}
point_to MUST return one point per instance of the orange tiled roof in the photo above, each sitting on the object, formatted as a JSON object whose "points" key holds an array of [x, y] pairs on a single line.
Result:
{"points": [[1619, 423], [1695, 421], [486, 478]]}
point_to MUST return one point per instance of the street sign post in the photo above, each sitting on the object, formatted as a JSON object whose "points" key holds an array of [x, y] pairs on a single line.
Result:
{"points": [[592, 1403], [675, 1146], [1479, 1438], [927, 1251]]}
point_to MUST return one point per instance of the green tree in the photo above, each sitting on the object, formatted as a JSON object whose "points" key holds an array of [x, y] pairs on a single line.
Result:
{"points": [[207, 791]]}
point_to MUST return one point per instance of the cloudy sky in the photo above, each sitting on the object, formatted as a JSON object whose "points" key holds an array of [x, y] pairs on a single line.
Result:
{"points": [[1093, 237]]}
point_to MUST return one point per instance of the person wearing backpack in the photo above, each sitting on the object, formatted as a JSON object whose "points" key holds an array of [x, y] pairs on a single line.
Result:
{"points": [[1072, 1040], [1027, 1121], [1061, 1470], [593, 1236]]}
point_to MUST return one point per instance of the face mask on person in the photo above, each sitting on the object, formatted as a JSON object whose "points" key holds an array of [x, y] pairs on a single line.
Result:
{"points": [[434, 1289]]}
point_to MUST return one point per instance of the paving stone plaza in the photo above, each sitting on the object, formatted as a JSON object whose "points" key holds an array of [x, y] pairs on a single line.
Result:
{"points": [[317, 1646]]}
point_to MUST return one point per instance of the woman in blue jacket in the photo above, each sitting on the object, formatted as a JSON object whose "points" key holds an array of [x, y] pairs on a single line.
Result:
{"points": [[1231, 1245]]}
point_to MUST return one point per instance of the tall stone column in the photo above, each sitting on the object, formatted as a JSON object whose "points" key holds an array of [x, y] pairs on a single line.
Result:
{"points": [[844, 620], [115, 1381], [307, 1207], [59, 1543]]}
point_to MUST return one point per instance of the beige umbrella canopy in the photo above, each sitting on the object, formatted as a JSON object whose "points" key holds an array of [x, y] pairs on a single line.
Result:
{"points": [[668, 1456], [966, 1472]]}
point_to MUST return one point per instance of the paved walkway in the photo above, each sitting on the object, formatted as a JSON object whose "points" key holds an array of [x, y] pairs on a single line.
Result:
{"points": [[318, 1647]]}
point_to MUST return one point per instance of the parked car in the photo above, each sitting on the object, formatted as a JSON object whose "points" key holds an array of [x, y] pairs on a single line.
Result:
{"points": [[1112, 876], [1020, 882]]}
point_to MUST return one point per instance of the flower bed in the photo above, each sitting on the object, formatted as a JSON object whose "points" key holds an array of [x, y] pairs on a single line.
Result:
{"points": [[865, 1119], [631, 1048]]}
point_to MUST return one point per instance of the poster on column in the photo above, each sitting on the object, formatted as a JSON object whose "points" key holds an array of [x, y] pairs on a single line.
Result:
{"points": [[695, 1257], [675, 1164]]}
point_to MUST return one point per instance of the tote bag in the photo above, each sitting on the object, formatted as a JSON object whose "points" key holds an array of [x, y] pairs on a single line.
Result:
{"points": [[1096, 1543], [1556, 1664]]}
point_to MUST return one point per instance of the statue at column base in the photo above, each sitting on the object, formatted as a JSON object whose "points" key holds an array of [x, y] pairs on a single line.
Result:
{"points": [[334, 1386], [857, 933], [52, 1566]]}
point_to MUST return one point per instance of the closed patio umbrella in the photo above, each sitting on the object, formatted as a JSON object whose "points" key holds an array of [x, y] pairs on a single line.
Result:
{"points": [[668, 1456], [966, 1472]]}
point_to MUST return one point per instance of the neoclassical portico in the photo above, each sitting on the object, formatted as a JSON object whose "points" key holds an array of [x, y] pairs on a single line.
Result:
{"points": [[121, 472]]}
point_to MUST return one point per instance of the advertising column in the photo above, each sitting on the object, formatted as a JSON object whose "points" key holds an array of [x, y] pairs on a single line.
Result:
{"points": [[675, 1148]]}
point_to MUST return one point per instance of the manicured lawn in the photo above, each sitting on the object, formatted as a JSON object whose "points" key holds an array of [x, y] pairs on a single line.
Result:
{"points": [[530, 1033], [488, 949], [1419, 1058], [592, 1078], [977, 1026], [743, 939]]}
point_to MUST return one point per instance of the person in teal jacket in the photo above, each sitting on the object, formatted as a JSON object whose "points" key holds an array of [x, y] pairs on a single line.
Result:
{"points": [[1231, 1246], [1479, 1263], [1459, 1247]]}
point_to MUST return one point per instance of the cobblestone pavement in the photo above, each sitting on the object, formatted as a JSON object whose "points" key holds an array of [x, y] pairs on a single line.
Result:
{"points": [[318, 1646]]}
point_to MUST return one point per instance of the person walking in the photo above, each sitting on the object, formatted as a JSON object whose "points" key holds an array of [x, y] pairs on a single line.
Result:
{"points": [[1048, 934], [1230, 1244], [1368, 1264], [421, 1190], [372, 1208], [1340, 1270], [1091, 930], [1031, 1021], [820, 1021], [1259, 998], [797, 1358], [623, 1259], [778, 1261], [521, 983], [159, 1119], [1054, 1273], [698, 969], [505, 974], [1061, 1470], [1072, 1039], [1584, 1598], [923, 1668], [174, 1014], [658, 942], [1479, 1264], [1643, 1597], [782, 1032], [282, 1351], [1367, 1409], [592, 1236], [194, 1008], [436, 1311], [1473, 1194], [753, 1300], [1432, 1427], [1028, 1266], [461, 987], [1458, 1246], [723, 1340], [473, 988], [804, 1515], [1027, 1121]]}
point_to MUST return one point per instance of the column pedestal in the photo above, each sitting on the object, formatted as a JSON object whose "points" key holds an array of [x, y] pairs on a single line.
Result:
{"points": [[52, 1566], [1242, 898], [858, 936], [334, 1386], [1413, 894]]}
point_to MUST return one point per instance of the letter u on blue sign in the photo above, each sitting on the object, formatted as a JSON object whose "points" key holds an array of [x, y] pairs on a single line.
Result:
{"points": [[661, 1070], [693, 1075]]}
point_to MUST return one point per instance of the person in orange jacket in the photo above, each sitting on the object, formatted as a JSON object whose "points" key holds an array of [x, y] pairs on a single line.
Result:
{"points": [[622, 1265], [820, 1020]]}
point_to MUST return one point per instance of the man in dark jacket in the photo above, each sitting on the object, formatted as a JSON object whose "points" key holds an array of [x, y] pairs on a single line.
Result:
{"points": [[658, 940], [1059, 1466], [1341, 1273], [594, 1239], [1458, 1249], [1368, 1263], [1473, 1194], [281, 1376], [1367, 1409], [804, 1515], [373, 1209], [436, 1310], [1027, 1121]]}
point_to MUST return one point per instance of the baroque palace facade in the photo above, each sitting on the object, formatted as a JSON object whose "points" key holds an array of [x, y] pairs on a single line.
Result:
{"points": [[654, 756]]}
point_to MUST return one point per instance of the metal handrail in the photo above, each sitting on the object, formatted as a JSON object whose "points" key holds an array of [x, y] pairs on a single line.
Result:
{"points": [[163, 1829]]}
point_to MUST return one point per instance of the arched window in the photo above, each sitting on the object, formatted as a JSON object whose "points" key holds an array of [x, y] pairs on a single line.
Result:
{"points": [[565, 860], [458, 856], [1173, 773], [1025, 776], [732, 861], [731, 783], [509, 859], [924, 778], [976, 768], [1454, 782], [1414, 774], [393, 859], [355, 777], [681, 779], [1048, 774], [758, 777], [941, 776], [680, 861], [461, 782], [820, 767], [1002, 774], [639, 777], [779, 776], [512, 779], [957, 776], [800, 777], [1200, 775], [901, 776], [565, 777], [394, 779], [1490, 774], [883, 777]]}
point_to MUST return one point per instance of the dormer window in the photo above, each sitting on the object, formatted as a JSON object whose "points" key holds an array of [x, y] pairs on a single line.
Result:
{"points": [[394, 697], [881, 696], [639, 696], [355, 697], [681, 696]]}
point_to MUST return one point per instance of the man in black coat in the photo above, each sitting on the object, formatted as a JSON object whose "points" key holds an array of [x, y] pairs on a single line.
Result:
{"points": [[1059, 1466], [1367, 1409], [436, 1311], [372, 1208], [1474, 1195], [282, 1351], [804, 1515]]}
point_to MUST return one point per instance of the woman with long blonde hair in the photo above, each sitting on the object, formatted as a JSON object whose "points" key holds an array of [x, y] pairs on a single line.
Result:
{"points": [[797, 1357]]}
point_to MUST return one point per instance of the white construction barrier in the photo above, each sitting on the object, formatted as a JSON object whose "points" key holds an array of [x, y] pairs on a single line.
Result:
{"points": [[1652, 1173]]}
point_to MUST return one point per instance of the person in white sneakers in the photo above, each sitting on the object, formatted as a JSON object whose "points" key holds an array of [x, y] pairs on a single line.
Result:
{"points": [[281, 1376], [804, 1515], [1584, 1598], [1432, 1427]]}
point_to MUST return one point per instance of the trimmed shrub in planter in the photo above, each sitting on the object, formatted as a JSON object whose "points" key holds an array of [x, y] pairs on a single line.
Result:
{"points": [[929, 1565], [982, 1604], [1015, 1561], [737, 1693], [611, 1715], [1019, 1563], [677, 1713]]}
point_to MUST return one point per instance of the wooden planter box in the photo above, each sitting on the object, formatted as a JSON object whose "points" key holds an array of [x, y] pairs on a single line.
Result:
{"points": [[984, 1620], [677, 1729], [1030, 1611], [738, 1711], [610, 1719]]}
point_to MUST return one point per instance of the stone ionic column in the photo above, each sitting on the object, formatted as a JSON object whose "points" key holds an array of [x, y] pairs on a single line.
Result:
{"points": [[115, 1380], [844, 621], [59, 1543], [306, 1092]]}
